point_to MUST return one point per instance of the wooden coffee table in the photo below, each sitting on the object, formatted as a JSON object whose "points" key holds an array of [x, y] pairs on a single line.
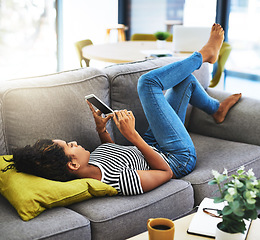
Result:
{"points": [[181, 226]]}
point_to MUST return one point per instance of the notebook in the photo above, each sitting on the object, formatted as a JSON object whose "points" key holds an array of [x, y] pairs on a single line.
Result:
{"points": [[205, 225], [189, 39]]}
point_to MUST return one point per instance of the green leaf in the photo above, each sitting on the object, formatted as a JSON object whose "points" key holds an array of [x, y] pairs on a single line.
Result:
{"points": [[239, 184], [218, 200], [222, 178], [250, 206], [162, 35], [238, 227], [234, 205], [233, 225], [226, 210], [229, 198], [251, 201], [212, 182], [250, 214], [239, 212], [241, 170], [257, 203]]}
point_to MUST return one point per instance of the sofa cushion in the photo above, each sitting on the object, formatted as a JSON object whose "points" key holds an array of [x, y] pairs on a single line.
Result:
{"points": [[240, 125], [121, 217], [52, 107], [123, 81], [58, 223], [217, 154], [31, 195]]}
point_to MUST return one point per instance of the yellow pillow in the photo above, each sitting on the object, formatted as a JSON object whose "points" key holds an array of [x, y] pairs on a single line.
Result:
{"points": [[31, 195]]}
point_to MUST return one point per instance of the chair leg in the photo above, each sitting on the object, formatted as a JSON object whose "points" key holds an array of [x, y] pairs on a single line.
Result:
{"points": [[108, 34], [121, 35], [87, 61]]}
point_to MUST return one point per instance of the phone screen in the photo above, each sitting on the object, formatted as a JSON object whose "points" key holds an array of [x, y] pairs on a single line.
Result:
{"points": [[99, 104]]}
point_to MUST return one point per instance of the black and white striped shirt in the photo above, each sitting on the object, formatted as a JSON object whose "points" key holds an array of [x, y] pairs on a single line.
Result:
{"points": [[119, 165]]}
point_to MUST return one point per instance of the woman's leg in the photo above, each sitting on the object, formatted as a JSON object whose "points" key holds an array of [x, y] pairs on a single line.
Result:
{"points": [[181, 95], [166, 114]]}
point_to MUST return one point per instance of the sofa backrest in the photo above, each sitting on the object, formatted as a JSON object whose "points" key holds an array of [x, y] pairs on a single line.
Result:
{"points": [[123, 92], [52, 107]]}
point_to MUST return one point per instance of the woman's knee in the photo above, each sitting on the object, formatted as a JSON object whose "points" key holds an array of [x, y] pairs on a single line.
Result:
{"points": [[148, 81], [142, 84]]}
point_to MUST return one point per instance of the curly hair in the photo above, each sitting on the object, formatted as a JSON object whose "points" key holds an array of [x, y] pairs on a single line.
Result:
{"points": [[43, 159]]}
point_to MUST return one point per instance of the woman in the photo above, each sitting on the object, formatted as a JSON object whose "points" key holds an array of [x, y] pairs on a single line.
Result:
{"points": [[165, 152]]}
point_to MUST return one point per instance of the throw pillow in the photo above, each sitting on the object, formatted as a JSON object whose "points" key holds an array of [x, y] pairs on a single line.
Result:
{"points": [[31, 195]]}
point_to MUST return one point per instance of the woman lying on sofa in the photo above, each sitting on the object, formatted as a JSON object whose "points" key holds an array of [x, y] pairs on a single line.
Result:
{"points": [[166, 151]]}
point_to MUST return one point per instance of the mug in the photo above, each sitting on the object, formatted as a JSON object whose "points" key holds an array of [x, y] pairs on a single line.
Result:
{"points": [[160, 228]]}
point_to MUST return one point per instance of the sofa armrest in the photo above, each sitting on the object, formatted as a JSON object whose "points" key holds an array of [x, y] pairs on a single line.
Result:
{"points": [[242, 123]]}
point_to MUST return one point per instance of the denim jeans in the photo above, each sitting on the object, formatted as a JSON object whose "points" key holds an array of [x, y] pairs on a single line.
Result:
{"points": [[166, 112]]}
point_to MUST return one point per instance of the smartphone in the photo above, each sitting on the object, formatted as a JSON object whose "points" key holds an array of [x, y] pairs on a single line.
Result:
{"points": [[99, 104]]}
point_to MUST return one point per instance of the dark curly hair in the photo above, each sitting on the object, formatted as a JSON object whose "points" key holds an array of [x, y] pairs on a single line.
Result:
{"points": [[43, 159]]}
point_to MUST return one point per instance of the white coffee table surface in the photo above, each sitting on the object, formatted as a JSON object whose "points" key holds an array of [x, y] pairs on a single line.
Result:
{"points": [[181, 226]]}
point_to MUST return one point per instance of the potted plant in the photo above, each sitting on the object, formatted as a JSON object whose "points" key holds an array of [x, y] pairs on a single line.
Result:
{"points": [[241, 194], [161, 38]]}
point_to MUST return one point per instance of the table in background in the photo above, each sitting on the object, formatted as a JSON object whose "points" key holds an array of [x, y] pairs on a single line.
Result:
{"points": [[181, 226], [128, 51]]}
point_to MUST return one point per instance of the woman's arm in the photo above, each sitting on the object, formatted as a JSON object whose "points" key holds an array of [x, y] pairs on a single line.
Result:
{"points": [[161, 171], [101, 125], [104, 136]]}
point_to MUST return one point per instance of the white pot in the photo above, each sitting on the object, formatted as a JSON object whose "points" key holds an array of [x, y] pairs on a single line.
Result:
{"points": [[161, 44], [220, 235]]}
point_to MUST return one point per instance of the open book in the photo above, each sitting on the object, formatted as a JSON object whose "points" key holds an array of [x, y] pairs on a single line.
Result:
{"points": [[205, 225]]}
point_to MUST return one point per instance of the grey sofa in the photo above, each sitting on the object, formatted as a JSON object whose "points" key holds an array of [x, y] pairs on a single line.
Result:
{"points": [[53, 107]]}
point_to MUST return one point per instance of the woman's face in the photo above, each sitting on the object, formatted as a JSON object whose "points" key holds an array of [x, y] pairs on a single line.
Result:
{"points": [[75, 151]]}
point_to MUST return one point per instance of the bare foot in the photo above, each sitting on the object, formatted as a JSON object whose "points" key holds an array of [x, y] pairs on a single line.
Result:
{"points": [[210, 51], [225, 106]]}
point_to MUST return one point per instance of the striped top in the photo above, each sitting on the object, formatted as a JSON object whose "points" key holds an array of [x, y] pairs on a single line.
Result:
{"points": [[119, 165]]}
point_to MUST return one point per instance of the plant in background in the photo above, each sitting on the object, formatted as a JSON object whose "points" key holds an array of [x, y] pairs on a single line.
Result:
{"points": [[162, 35], [241, 193]]}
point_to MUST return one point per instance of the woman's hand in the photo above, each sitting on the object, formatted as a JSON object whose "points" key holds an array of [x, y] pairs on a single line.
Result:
{"points": [[125, 122], [160, 170], [100, 121]]}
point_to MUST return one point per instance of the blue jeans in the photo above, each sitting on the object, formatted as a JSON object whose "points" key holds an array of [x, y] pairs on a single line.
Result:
{"points": [[166, 113]]}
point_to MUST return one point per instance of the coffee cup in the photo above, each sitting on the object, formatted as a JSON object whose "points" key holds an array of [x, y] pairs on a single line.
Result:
{"points": [[160, 228]]}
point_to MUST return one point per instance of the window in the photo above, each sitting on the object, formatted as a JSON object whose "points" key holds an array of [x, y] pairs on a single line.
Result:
{"points": [[244, 37], [27, 38], [28, 34], [85, 19], [149, 16]]}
